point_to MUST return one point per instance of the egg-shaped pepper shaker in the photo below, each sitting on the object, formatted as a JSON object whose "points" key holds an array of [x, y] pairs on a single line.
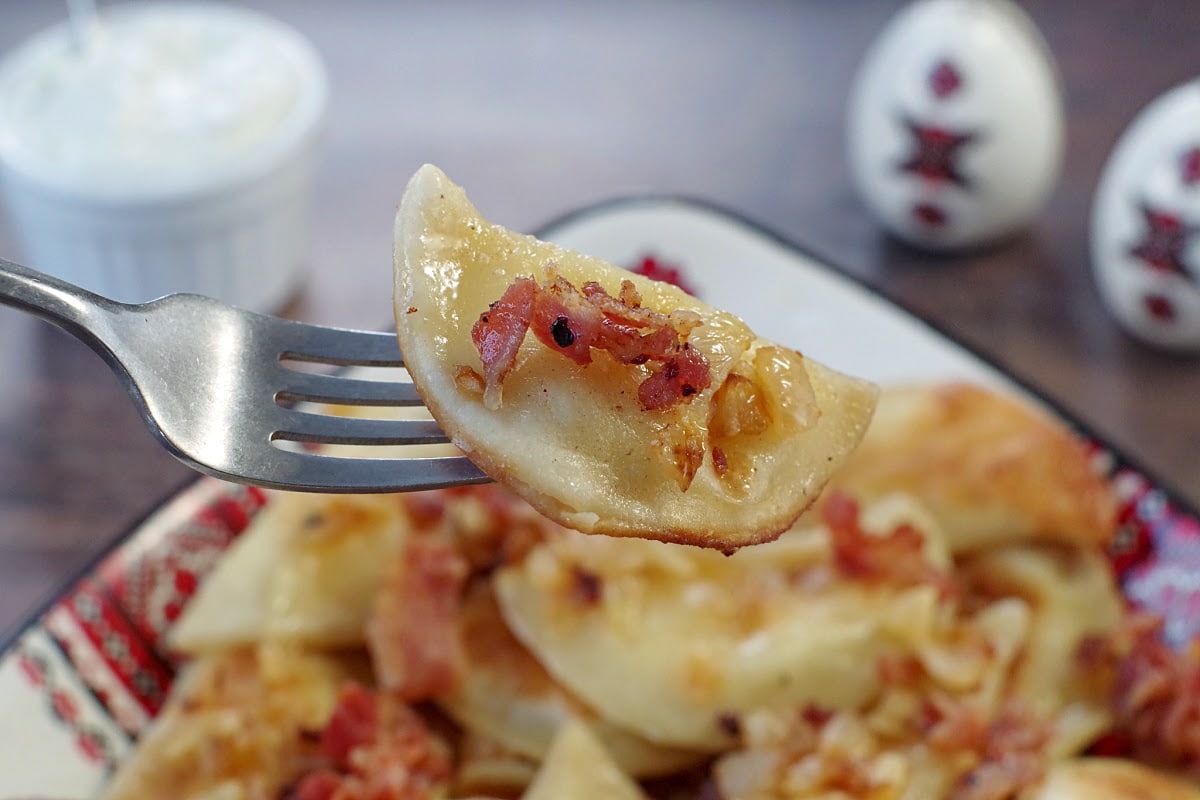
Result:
{"points": [[955, 123], [1145, 225]]}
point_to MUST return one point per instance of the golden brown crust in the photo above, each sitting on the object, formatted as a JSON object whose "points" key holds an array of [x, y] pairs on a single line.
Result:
{"points": [[990, 467]]}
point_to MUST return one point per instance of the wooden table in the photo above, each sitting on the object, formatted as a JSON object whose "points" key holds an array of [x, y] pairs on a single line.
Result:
{"points": [[543, 107]]}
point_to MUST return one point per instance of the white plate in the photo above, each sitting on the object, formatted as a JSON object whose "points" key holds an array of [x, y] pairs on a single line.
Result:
{"points": [[84, 675]]}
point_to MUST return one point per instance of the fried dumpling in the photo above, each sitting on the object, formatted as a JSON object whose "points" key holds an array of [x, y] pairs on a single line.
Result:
{"points": [[578, 767], [991, 468], [1073, 596], [506, 694], [306, 570], [613, 403], [674, 643]]}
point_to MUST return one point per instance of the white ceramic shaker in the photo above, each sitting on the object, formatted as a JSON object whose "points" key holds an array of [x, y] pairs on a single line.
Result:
{"points": [[1145, 225], [955, 123]]}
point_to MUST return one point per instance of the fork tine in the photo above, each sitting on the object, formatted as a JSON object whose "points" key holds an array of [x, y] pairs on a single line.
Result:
{"points": [[314, 387], [341, 346], [294, 471], [301, 426]]}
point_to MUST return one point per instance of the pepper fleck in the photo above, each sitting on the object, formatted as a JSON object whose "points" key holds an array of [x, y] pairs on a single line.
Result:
{"points": [[560, 329]]}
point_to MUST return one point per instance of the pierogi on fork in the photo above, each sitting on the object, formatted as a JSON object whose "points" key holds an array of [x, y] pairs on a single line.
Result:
{"points": [[612, 403]]}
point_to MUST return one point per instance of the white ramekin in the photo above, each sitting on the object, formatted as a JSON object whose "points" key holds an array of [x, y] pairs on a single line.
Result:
{"points": [[235, 229]]}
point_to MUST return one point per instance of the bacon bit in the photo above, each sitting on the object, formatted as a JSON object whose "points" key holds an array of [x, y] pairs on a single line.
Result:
{"points": [[378, 749], [816, 716], [574, 322], [952, 727], [425, 509], [629, 295], [498, 334], [587, 589], [321, 785], [1155, 692], [309, 735], [679, 378], [1111, 745], [720, 462], [563, 321], [353, 724], [899, 670], [411, 310], [412, 634], [1009, 748], [488, 526], [897, 558]]}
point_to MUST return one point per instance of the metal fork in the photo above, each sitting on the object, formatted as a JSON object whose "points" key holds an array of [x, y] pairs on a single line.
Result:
{"points": [[212, 382]]}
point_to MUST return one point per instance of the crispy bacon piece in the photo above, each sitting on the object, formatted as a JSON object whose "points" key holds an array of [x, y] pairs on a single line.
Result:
{"points": [[574, 322], [896, 558], [676, 381], [899, 671], [321, 785], [1011, 751], [413, 632], [1155, 691], [498, 333], [378, 749], [354, 723]]}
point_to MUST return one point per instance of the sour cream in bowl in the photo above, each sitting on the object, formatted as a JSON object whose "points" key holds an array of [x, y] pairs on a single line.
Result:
{"points": [[172, 149]]}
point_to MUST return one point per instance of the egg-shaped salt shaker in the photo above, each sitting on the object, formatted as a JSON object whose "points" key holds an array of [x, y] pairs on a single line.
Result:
{"points": [[955, 123], [1145, 225]]}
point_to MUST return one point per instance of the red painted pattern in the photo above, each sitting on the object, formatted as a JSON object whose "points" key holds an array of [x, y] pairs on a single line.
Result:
{"points": [[945, 80], [660, 270], [154, 584]]}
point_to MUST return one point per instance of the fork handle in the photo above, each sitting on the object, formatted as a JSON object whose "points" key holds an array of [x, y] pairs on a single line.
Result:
{"points": [[78, 311]]}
